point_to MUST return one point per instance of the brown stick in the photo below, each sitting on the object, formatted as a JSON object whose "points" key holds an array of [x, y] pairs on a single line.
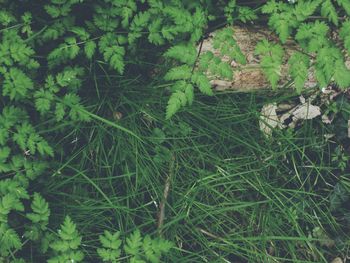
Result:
{"points": [[161, 214]]}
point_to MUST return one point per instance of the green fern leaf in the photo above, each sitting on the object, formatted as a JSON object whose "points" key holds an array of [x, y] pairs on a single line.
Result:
{"points": [[283, 24], [246, 14], [346, 5], [202, 83], [270, 7], [174, 104], [67, 246], [313, 36], [16, 84], [298, 69], [114, 56], [189, 92], [204, 60], [9, 239], [325, 64], [328, 10], [133, 244], [341, 74], [90, 48], [53, 11], [182, 53], [183, 72], [111, 246], [67, 51], [41, 211], [304, 9], [154, 32], [345, 35], [139, 22], [60, 111], [6, 18], [271, 61], [43, 100]]}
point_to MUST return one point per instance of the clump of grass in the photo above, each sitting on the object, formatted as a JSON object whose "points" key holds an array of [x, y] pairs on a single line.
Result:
{"points": [[234, 195]]}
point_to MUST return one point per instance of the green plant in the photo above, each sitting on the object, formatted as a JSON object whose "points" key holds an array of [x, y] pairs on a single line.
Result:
{"points": [[340, 158], [67, 247], [145, 249], [61, 60], [136, 248]]}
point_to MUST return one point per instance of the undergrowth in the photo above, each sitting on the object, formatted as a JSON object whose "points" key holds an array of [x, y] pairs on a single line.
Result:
{"points": [[115, 148]]}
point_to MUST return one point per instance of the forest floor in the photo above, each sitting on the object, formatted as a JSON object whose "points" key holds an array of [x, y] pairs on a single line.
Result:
{"points": [[209, 179]]}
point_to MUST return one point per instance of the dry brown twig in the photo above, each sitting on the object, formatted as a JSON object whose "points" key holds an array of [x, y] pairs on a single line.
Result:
{"points": [[161, 214]]}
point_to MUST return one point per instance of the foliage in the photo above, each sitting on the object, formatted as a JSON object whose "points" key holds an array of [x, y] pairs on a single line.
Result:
{"points": [[53, 56], [66, 247], [137, 249]]}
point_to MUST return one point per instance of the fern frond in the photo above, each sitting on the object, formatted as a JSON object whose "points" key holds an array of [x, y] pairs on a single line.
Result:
{"points": [[271, 61], [89, 48], [67, 246], [133, 244], [111, 243], [183, 72], [202, 82], [114, 55], [183, 53], [9, 239], [298, 69], [345, 35], [328, 10], [313, 36], [16, 84], [345, 4]]}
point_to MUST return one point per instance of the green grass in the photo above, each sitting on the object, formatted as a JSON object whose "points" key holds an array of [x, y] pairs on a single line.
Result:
{"points": [[234, 196]]}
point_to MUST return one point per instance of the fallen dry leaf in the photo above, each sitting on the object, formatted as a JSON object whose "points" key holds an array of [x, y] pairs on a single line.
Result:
{"points": [[307, 111], [269, 119], [337, 260]]}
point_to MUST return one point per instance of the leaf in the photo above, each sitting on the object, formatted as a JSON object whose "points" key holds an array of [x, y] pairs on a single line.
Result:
{"points": [[111, 246], [9, 239], [44, 148], [53, 11], [115, 57], [139, 22], [282, 24], [189, 92], [202, 83], [346, 5], [133, 243], [298, 69], [341, 74], [327, 60], [270, 7], [304, 9], [16, 84], [183, 72], [182, 53], [271, 61], [40, 210], [67, 246], [328, 10], [345, 35], [313, 36], [4, 154], [59, 111], [43, 100], [338, 196], [89, 48], [246, 14]]}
